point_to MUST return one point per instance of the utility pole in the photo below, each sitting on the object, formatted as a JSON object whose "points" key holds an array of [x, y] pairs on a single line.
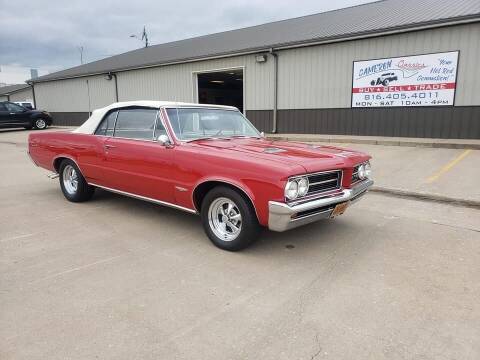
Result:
{"points": [[80, 49], [143, 38]]}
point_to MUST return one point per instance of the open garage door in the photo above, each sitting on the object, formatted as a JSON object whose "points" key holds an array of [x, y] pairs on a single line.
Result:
{"points": [[221, 88]]}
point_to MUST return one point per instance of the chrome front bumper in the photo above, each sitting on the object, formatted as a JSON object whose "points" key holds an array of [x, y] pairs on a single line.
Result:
{"points": [[284, 217]]}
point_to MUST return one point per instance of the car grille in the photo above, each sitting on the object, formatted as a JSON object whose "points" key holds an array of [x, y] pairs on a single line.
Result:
{"points": [[355, 177], [325, 181]]}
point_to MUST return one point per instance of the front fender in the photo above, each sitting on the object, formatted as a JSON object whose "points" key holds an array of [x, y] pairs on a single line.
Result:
{"points": [[258, 193]]}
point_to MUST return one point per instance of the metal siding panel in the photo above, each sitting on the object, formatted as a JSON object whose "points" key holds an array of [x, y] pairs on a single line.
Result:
{"points": [[73, 95], [261, 119], [22, 95], [69, 118], [453, 122], [102, 92], [321, 76]]}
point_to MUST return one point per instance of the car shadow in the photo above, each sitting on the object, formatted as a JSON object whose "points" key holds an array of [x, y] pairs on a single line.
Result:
{"points": [[140, 207], [304, 240]]}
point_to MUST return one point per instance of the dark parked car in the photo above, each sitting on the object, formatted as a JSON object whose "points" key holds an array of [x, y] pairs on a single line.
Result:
{"points": [[13, 115]]}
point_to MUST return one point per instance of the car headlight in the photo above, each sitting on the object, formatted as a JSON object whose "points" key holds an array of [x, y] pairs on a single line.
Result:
{"points": [[302, 186], [291, 190], [368, 170], [296, 188], [361, 172]]}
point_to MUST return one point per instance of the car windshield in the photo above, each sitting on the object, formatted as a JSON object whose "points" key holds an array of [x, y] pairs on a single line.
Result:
{"points": [[14, 107], [200, 123]]}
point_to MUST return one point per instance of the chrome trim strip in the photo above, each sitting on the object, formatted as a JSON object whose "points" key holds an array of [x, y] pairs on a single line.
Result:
{"points": [[315, 196], [30, 156], [329, 210], [163, 116], [155, 124], [323, 182], [125, 138], [114, 123], [315, 173], [140, 197]]}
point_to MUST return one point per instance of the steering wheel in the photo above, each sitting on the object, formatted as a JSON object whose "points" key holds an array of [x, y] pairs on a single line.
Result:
{"points": [[218, 132]]}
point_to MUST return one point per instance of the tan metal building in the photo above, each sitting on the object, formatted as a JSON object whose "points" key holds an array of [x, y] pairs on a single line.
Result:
{"points": [[298, 75], [17, 92]]}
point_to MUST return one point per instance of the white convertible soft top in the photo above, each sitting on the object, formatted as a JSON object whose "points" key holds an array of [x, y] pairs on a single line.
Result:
{"points": [[89, 126]]}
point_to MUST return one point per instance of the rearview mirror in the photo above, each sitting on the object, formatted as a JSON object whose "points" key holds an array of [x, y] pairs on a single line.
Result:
{"points": [[164, 140]]}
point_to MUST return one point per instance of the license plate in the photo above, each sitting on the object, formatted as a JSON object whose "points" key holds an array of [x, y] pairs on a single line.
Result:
{"points": [[339, 209]]}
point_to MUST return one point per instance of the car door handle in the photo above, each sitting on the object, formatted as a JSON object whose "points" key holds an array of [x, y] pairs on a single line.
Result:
{"points": [[108, 146]]}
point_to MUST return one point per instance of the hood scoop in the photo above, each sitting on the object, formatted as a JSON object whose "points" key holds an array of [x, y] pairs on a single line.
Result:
{"points": [[273, 150]]}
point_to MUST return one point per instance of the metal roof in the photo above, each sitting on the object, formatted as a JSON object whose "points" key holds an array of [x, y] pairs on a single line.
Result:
{"points": [[9, 89], [336, 25]]}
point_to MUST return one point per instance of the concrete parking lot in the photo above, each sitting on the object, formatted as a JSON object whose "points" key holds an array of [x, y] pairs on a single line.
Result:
{"points": [[117, 278]]}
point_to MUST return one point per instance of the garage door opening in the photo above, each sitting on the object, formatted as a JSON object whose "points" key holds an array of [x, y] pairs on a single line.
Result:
{"points": [[221, 88]]}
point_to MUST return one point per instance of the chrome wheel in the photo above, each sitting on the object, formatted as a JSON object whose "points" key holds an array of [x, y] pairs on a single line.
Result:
{"points": [[40, 124], [70, 179], [225, 219]]}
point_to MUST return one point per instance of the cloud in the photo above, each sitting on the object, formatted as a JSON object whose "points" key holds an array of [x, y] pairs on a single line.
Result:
{"points": [[45, 34]]}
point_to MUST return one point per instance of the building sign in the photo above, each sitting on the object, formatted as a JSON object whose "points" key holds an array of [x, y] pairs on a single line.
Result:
{"points": [[421, 80]]}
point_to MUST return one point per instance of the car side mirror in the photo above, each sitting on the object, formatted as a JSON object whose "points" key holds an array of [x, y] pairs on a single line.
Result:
{"points": [[262, 135], [164, 140]]}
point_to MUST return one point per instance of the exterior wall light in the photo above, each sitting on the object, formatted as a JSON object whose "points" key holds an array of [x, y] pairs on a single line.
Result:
{"points": [[261, 58]]}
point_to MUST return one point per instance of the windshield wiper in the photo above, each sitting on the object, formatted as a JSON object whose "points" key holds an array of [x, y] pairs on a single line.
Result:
{"points": [[223, 138], [245, 136], [202, 138], [208, 138]]}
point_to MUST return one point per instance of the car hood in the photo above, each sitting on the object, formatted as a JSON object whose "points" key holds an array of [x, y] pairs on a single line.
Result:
{"points": [[311, 157], [36, 112]]}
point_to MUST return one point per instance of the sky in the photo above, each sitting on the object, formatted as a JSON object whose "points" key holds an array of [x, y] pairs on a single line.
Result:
{"points": [[47, 34]]}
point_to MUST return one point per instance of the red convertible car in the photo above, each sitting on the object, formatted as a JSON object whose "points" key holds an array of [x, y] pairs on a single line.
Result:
{"points": [[204, 159]]}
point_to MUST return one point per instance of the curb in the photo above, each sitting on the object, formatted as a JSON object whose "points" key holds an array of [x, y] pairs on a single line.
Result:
{"points": [[426, 197], [432, 144]]}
